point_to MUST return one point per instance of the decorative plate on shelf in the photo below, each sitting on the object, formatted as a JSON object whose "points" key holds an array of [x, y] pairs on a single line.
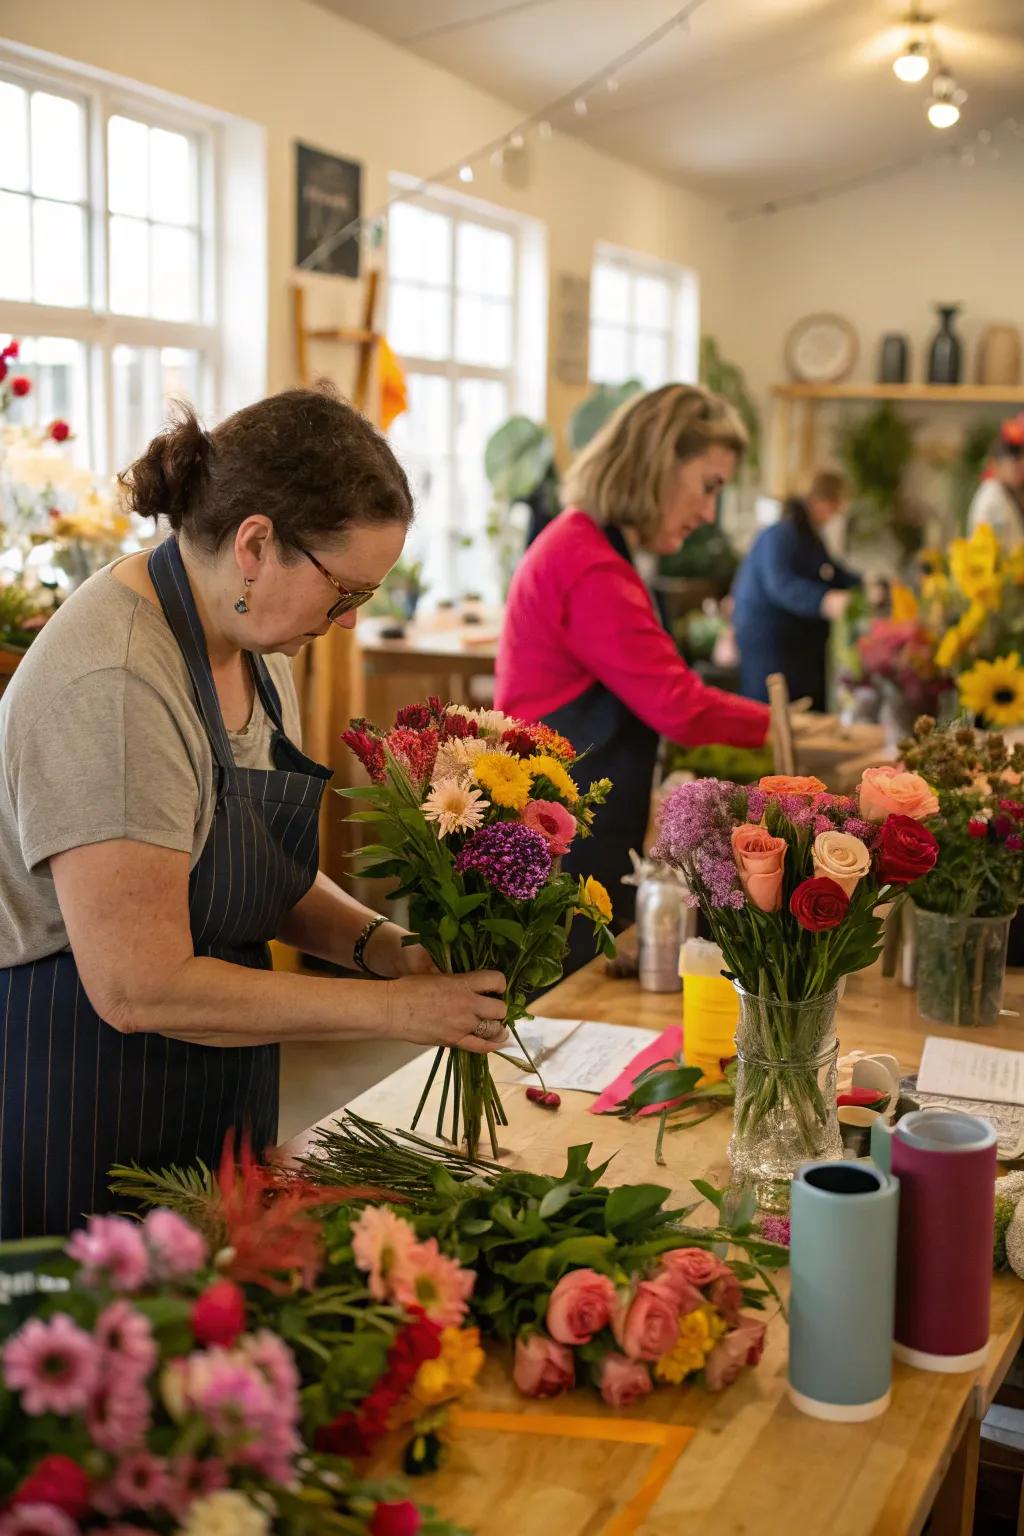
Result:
{"points": [[821, 349]]}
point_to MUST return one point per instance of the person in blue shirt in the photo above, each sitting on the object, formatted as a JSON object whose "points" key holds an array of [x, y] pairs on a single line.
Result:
{"points": [[788, 592]]}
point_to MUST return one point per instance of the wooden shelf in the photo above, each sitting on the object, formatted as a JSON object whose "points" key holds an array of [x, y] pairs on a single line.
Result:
{"points": [[949, 394]]}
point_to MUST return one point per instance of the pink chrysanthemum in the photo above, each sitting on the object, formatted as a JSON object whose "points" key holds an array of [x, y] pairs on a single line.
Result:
{"points": [[111, 1249], [381, 1244], [119, 1415], [275, 1361], [175, 1246], [439, 1286], [140, 1481], [126, 1338], [190, 1478], [54, 1365], [37, 1520], [236, 1401]]}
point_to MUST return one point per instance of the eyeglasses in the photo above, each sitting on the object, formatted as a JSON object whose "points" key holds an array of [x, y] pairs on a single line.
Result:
{"points": [[349, 599]]}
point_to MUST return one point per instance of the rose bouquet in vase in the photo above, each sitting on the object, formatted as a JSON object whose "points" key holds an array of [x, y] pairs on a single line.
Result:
{"points": [[790, 880], [473, 811]]}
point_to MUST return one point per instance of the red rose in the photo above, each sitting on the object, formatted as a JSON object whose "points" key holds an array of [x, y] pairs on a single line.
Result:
{"points": [[906, 851], [819, 904], [11, 350], [402, 1519], [218, 1317], [3, 370], [60, 431], [977, 828], [59, 1481], [21, 385]]}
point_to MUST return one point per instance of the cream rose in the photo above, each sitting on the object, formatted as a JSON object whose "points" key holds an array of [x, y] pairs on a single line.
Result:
{"points": [[841, 857]]}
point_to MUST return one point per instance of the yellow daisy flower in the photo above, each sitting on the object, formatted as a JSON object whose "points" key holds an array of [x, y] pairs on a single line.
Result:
{"points": [[995, 690], [506, 780], [543, 766], [594, 900], [1013, 566]]}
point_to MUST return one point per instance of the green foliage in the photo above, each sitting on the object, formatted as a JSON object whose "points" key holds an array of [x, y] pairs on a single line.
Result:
{"points": [[876, 449], [17, 607], [588, 418], [1005, 1209], [518, 458], [736, 765], [726, 379], [705, 555]]}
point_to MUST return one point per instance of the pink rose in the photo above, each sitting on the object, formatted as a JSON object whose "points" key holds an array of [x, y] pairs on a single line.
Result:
{"points": [[726, 1296], [760, 860], [556, 825], [623, 1381], [743, 1346], [893, 792], [543, 1368], [695, 1264], [648, 1326], [580, 1306], [686, 1295]]}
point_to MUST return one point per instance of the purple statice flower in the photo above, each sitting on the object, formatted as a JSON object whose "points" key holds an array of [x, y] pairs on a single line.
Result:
{"points": [[694, 816], [719, 877], [757, 801], [822, 824], [867, 831], [775, 1229], [511, 857], [796, 809]]}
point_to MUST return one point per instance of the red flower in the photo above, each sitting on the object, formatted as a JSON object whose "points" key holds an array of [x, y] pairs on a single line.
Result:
{"points": [[11, 350], [458, 727], [218, 1317], [906, 851], [402, 1519], [977, 828], [1003, 826], [819, 904], [415, 717], [1014, 808], [368, 749], [520, 742], [1015, 842], [416, 751], [59, 1481], [21, 385], [3, 370], [417, 1342], [60, 431]]}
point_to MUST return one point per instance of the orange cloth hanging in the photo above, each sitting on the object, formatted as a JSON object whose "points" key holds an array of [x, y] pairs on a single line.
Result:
{"points": [[394, 394]]}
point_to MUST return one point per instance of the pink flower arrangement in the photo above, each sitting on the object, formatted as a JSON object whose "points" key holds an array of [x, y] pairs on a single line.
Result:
{"points": [[54, 1365], [112, 1249], [175, 1248], [416, 1275], [580, 1305]]}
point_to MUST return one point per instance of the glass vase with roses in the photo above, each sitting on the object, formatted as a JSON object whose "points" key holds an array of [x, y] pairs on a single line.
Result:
{"points": [[790, 880]]}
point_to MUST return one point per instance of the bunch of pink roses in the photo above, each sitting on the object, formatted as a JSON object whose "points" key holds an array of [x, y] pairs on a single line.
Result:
{"points": [[680, 1322]]}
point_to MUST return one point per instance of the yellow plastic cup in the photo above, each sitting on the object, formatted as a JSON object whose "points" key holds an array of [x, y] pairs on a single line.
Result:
{"points": [[710, 1010]]}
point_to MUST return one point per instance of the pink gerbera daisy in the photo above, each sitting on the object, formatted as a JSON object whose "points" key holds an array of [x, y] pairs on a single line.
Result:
{"points": [[274, 1360], [140, 1482], [37, 1520], [381, 1244], [54, 1365], [120, 1414], [111, 1249], [439, 1286], [127, 1340], [174, 1244], [236, 1401], [556, 825]]}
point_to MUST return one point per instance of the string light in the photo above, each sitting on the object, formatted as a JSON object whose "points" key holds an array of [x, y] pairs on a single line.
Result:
{"points": [[465, 173], [612, 84], [579, 106]]}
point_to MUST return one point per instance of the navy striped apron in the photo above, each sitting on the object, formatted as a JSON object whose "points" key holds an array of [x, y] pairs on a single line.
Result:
{"points": [[76, 1095]]}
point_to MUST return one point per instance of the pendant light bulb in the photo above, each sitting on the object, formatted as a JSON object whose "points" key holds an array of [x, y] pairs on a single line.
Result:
{"points": [[466, 173], [944, 107], [943, 114], [913, 63]]}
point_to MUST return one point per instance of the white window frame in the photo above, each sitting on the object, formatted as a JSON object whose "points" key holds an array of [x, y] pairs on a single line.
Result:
{"points": [[684, 328], [525, 375], [95, 325]]}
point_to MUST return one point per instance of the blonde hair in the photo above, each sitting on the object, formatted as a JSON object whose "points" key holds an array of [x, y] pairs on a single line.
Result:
{"points": [[829, 485], [621, 476]]}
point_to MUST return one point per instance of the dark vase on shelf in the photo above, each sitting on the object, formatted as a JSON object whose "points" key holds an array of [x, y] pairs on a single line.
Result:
{"points": [[946, 356], [894, 359]]}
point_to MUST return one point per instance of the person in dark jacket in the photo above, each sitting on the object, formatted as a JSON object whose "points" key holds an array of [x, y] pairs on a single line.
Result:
{"points": [[787, 594]]}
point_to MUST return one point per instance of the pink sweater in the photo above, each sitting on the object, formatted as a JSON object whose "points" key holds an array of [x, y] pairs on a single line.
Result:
{"points": [[579, 614]]}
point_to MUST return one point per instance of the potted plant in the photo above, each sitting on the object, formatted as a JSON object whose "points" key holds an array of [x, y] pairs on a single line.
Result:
{"points": [[876, 449]]}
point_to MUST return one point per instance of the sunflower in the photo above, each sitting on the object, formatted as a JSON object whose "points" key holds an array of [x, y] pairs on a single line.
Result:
{"points": [[995, 690], [543, 766], [505, 779]]}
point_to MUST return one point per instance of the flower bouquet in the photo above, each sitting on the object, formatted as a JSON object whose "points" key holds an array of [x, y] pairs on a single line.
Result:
{"points": [[790, 880], [975, 601], [964, 906], [473, 811]]}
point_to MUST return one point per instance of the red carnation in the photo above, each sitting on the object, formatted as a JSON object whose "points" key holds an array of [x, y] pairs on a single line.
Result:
{"points": [[977, 827], [819, 904], [906, 851], [58, 1481], [11, 350], [1014, 808], [60, 431], [415, 716], [21, 385], [402, 1519], [218, 1317], [458, 727], [369, 751], [417, 1342], [520, 742]]}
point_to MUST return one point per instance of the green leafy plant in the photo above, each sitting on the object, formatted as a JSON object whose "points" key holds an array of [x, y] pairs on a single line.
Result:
{"points": [[18, 609], [876, 449], [738, 765], [518, 458], [968, 466], [726, 379], [589, 417]]}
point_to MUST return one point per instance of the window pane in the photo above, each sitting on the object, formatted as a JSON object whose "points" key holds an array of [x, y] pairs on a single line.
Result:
{"points": [[15, 247], [483, 331], [420, 439], [419, 321], [172, 178], [174, 271], [419, 244], [58, 369], [146, 381], [608, 356], [651, 301], [650, 359], [129, 266], [129, 404], [58, 147], [180, 375], [482, 405], [484, 260], [13, 137], [128, 166], [609, 293], [58, 253]]}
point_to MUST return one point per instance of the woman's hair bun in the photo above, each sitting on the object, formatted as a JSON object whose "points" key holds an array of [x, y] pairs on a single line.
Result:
{"points": [[167, 480]]}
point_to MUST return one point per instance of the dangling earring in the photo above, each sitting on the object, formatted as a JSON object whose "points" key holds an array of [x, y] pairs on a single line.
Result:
{"points": [[242, 606]]}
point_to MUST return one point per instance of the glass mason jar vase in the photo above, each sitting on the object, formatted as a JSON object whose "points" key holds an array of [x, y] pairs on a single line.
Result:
{"points": [[961, 967], [785, 1112]]}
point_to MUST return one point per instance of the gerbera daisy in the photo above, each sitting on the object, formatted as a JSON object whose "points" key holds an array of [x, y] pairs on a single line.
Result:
{"points": [[455, 758], [556, 825], [995, 690], [428, 1279], [54, 1365], [544, 766], [454, 807], [381, 1243], [112, 1249], [506, 780], [127, 1340]]}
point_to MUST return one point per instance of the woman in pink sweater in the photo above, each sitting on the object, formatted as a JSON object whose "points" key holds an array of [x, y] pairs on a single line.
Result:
{"points": [[582, 648]]}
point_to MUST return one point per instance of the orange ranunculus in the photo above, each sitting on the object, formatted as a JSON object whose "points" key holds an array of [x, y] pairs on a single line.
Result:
{"points": [[760, 859], [894, 792], [791, 784]]}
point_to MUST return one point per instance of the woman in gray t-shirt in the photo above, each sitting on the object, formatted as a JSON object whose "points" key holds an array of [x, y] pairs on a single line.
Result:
{"points": [[158, 821]]}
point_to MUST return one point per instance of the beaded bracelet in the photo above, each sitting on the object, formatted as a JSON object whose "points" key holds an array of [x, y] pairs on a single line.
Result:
{"points": [[359, 947]]}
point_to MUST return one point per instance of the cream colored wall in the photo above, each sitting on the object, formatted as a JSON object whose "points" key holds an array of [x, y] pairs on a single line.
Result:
{"points": [[307, 74]]}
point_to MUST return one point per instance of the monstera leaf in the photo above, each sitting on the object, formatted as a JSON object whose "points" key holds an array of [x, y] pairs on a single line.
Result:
{"points": [[588, 419], [517, 458]]}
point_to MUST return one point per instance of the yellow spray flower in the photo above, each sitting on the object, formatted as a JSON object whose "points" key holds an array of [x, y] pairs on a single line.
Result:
{"points": [[505, 779], [696, 1339], [995, 690], [973, 622], [594, 901], [453, 1372], [904, 603], [934, 588], [1013, 566], [948, 648], [543, 766]]}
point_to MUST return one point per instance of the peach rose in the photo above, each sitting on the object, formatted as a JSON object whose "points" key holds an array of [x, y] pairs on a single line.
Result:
{"points": [[686, 1294], [743, 1346], [648, 1326], [580, 1306], [726, 1296], [791, 784], [696, 1265], [543, 1368], [894, 792], [760, 858], [623, 1381], [841, 857]]}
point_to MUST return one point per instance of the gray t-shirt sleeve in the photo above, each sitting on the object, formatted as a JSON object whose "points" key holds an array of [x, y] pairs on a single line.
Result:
{"points": [[105, 760]]}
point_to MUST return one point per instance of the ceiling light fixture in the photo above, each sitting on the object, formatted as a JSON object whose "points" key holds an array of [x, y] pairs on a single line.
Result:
{"points": [[579, 106], [947, 99], [465, 173], [913, 62]]}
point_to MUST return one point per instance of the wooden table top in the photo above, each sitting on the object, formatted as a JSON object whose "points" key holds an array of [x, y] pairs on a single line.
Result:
{"points": [[755, 1467], [429, 642]]}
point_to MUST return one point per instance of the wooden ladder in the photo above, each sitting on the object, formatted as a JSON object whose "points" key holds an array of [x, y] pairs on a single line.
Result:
{"points": [[365, 336]]}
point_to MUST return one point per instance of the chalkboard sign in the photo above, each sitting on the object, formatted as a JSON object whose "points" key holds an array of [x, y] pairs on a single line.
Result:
{"points": [[327, 199]]}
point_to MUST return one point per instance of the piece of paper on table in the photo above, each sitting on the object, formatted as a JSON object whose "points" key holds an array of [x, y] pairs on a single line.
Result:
{"points": [[961, 1070], [1007, 1120], [582, 1054], [665, 1047]]}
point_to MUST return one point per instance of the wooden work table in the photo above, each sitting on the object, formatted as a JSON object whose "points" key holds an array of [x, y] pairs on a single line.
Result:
{"points": [[755, 1466]]}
